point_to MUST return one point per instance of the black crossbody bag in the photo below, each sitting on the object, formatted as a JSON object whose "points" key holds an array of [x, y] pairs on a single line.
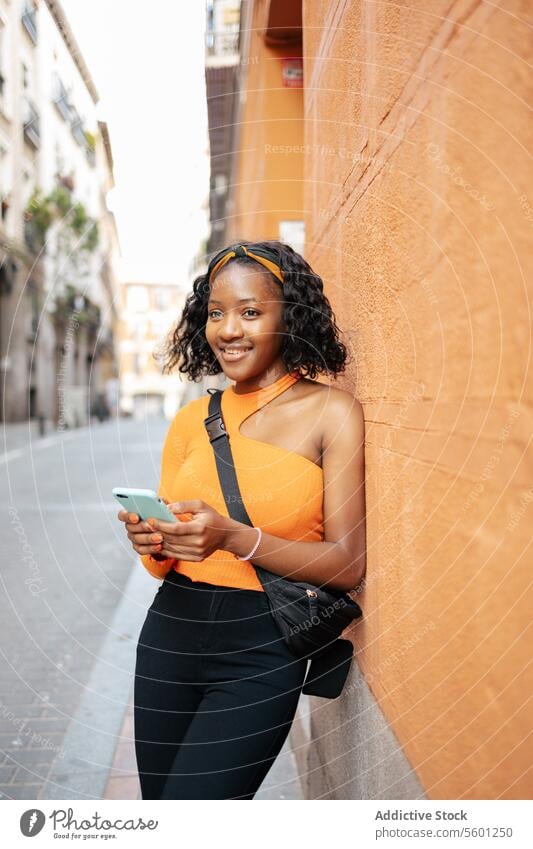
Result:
{"points": [[310, 618]]}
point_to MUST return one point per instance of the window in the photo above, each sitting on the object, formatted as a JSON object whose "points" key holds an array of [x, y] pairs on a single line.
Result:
{"points": [[76, 127], [162, 298], [61, 98], [29, 19], [221, 184], [31, 127], [293, 234], [137, 328]]}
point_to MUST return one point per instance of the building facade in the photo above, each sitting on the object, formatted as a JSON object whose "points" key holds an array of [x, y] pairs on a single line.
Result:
{"points": [[255, 107], [405, 155], [58, 308], [222, 83], [148, 311], [20, 278]]}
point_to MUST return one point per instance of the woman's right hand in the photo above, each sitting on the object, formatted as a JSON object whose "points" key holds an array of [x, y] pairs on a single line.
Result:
{"points": [[141, 535]]}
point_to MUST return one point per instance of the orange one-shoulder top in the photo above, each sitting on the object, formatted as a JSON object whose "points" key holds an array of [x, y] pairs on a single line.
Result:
{"points": [[282, 490]]}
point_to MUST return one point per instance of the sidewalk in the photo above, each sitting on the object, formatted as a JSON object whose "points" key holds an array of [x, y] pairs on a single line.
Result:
{"points": [[19, 438], [18, 434], [123, 781]]}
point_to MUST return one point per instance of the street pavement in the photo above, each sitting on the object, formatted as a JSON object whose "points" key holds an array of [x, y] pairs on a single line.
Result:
{"points": [[74, 597]]}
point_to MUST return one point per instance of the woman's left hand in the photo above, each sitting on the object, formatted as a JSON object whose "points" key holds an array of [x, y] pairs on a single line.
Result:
{"points": [[193, 539]]}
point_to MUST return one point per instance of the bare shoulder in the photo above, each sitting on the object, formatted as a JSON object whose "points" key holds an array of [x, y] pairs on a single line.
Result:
{"points": [[337, 411], [331, 399]]}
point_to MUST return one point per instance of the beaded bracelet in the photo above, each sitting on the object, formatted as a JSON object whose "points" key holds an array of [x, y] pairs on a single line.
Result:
{"points": [[254, 549]]}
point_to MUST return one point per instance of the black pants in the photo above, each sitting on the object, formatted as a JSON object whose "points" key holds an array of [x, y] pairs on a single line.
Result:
{"points": [[216, 690]]}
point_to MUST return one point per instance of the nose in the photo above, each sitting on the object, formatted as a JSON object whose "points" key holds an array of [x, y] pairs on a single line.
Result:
{"points": [[230, 327]]}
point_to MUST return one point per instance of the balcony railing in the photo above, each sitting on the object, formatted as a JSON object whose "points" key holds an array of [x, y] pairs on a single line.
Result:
{"points": [[77, 130], [29, 21], [32, 132], [222, 42], [61, 101]]}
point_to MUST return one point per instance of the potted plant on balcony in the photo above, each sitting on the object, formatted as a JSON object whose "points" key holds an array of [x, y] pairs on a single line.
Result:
{"points": [[81, 223], [38, 217], [67, 181], [61, 199]]}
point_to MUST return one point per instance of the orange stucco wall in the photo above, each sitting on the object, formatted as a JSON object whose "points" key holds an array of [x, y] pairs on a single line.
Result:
{"points": [[268, 180], [418, 220]]}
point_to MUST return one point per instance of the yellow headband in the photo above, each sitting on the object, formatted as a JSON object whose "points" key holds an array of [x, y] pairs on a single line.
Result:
{"points": [[241, 251]]}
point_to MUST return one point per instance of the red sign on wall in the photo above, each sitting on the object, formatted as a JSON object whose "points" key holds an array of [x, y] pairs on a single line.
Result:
{"points": [[293, 73]]}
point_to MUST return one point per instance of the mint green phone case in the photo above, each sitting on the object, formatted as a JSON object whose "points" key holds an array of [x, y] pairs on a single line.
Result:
{"points": [[145, 502]]}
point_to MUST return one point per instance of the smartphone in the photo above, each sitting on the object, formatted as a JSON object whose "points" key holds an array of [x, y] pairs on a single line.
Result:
{"points": [[145, 502]]}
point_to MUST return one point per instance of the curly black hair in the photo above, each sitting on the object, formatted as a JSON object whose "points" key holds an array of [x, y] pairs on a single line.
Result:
{"points": [[311, 344]]}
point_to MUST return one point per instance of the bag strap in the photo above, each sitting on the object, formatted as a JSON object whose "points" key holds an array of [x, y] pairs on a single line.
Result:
{"points": [[216, 430], [325, 674]]}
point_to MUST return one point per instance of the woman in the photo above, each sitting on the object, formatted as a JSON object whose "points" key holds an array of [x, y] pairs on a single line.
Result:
{"points": [[216, 689]]}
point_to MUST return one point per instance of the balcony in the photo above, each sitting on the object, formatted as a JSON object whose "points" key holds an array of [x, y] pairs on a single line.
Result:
{"points": [[77, 130], [61, 101], [284, 23], [223, 19], [31, 126], [29, 21], [222, 47], [222, 42]]}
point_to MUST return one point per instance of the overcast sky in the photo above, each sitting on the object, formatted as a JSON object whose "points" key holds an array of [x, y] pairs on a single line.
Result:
{"points": [[147, 62]]}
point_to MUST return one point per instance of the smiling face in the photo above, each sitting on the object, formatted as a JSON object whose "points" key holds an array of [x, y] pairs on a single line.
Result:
{"points": [[245, 325]]}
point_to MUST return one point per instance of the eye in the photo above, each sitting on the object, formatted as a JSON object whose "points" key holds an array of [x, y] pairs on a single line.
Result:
{"points": [[247, 310]]}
